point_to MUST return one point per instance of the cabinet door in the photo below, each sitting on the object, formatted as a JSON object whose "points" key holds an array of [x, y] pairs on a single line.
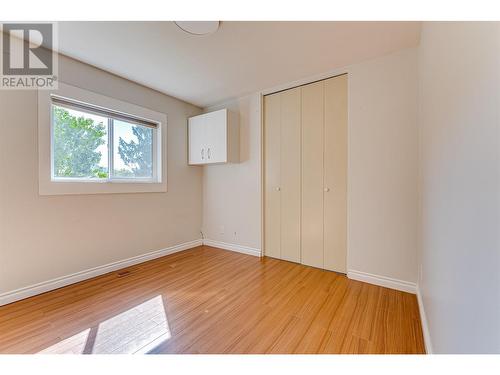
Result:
{"points": [[216, 142], [290, 175], [196, 140], [335, 211], [272, 176], [312, 174]]}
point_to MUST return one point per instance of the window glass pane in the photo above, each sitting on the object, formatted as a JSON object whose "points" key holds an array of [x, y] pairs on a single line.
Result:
{"points": [[133, 150], [80, 144]]}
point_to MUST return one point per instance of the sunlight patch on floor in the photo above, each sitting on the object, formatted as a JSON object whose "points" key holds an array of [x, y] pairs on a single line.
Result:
{"points": [[137, 330], [72, 345]]}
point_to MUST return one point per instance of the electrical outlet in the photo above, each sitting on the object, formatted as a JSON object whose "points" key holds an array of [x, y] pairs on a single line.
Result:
{"points": [[234, 234]]}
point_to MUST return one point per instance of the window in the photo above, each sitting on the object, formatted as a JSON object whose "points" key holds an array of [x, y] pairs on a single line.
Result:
{"points": [[89, 143], [95, 144]]}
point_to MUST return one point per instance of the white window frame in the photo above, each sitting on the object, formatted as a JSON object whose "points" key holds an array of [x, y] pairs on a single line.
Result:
{"points": [[51, 185]]}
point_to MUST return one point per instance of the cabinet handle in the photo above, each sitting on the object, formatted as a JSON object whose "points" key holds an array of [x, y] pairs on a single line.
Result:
{"points": [[202, 154], [208, 152], [278, 189], [327, 189]]}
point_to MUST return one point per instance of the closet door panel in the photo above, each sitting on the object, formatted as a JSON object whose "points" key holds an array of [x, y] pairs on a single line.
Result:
{"points": [[335, 158], [290, 174], [272, 176], [312, 174]]}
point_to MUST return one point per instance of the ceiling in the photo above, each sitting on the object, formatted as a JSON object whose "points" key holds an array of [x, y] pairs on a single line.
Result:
{"points": [[239, 59]]}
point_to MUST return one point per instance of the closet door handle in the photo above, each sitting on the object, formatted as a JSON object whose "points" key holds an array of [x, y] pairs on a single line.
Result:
{"points": [[202, 154], [278, 189], [208, 152], [327, 189]]}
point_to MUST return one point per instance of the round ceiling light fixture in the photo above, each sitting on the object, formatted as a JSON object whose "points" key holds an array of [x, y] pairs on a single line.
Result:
{"points": [[198, 27]]}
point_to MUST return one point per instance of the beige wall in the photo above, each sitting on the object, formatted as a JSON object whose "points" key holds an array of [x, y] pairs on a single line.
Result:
{"points": [[44, 237], [459, 260], [382, 172]]}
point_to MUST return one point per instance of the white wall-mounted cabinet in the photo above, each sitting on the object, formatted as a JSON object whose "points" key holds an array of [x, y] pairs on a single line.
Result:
{"points": [[213, 138]]}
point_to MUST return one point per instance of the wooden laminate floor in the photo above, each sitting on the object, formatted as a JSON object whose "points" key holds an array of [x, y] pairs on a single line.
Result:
{"points": [[207, 300]]}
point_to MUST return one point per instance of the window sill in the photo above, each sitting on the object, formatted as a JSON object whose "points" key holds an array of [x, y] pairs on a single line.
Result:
{"points": [[105, 180], [98, 187]]}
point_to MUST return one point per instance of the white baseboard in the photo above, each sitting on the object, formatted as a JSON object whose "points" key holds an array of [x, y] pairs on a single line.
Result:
{"points": [[425, 325], [59, 282], [233, 247], [384, 281]]}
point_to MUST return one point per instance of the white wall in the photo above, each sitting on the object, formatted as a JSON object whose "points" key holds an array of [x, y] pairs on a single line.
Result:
{"points": [[44, 237], [383, 166], [459, 100], [382, 172], [231, 192]]}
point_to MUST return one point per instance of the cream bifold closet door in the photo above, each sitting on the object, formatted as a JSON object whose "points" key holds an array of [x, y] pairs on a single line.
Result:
{"points": [[282, 175], [305, 163]]}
